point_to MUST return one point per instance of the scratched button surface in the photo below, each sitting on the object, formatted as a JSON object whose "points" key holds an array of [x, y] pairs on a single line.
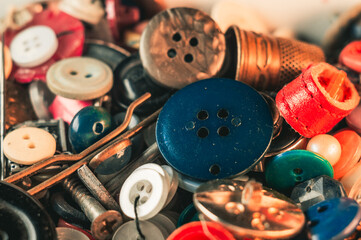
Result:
{"points": [[29, 145], [214, 128], [180, 46]]}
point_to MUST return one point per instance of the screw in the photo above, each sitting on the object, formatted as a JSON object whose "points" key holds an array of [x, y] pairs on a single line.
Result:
{"points": [[103, 222]]}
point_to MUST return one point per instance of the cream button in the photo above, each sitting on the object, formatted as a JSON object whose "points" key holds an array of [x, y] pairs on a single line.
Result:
{"points": [[29, 145], [89, 11], [180, 46], [152, 190], [33, 46], [79, 78]]}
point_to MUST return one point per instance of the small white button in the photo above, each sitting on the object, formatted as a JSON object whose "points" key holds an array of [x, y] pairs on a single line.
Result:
{"points": [[229, 12], [89, 11], [33, 46], [150, 186], [128, 231], [80, 78], [29, 145]]}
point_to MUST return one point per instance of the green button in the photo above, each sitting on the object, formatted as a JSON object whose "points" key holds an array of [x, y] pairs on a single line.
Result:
{"points": [[287, 169]]}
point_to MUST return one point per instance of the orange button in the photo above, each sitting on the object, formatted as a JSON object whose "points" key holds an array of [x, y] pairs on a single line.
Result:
{"points": [[350, 152]]}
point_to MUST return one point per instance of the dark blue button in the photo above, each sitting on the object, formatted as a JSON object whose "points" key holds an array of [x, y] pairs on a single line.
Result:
{"points": [[214, 128], [336, 218]]}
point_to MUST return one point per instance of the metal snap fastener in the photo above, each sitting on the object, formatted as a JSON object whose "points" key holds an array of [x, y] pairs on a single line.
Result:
{"points": [[80, 78], [180, 46], [214, 128], [29, 145], [33, 46]]}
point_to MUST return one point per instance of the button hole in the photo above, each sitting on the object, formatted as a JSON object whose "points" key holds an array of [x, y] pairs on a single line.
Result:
{"points": [[188, 58], [202, 115], [222, 113], [73, 73], [143, 200], [193, 42], [202, 132], [89, 75], [171, 53], [297, 171], [313, 223], [176, 37], [31, 145], [322, 208], [223, 131], [27, 49], [98, 128], [215, 169], [149, 189], [26, 137]]}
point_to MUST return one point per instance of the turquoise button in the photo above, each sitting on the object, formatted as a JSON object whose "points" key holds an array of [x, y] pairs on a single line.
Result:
{"points": [[287, 169], [88, 126]]}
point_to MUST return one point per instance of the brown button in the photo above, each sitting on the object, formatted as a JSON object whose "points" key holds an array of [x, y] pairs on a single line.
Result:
{"points": [[181, 46]]}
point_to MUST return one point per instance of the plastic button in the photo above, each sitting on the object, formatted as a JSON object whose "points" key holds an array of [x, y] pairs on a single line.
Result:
{"points": [[327, 146], [88, 126], [29, 145], [287, 169], [350, 56], [214, 128], [80, 78], [180, 46], [33, 46], [201, 231], [350, 143], [150, 186], [86, 10], [128, 231], [336, 218]]}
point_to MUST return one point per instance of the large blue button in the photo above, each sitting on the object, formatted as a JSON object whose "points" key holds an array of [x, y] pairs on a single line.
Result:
{"points": [[214, 128], [336, 218]]}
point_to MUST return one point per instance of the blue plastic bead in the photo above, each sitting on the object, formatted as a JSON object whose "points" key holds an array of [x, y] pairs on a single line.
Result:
{"points": [[214, 128], [336, 218], [88, 126]]}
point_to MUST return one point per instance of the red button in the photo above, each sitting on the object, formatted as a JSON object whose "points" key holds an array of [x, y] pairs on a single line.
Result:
{"points": [[198, 231], [350, 56], [70, 34]]}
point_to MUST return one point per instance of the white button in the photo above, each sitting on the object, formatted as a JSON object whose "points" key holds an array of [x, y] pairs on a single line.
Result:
{"points": [[128, 231], [150, 186], [229, 12], [33, 46], [80, 78], [87, 10], [163, 223], [29, 145]]}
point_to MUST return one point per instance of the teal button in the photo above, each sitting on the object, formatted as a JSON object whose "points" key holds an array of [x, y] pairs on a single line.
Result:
{"points": [[287, 169]]}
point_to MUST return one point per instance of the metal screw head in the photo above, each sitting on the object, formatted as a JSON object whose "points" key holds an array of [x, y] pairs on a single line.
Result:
{"points": [[106, 224]]}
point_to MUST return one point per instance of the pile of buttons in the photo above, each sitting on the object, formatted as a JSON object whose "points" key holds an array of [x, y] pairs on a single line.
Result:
{"points": [[131, 121]]}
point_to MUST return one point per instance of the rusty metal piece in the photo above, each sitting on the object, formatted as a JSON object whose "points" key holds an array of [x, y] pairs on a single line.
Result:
{"points": [[85, 156], [267, 63], [103, 222], [97, 189], [111, 155]]}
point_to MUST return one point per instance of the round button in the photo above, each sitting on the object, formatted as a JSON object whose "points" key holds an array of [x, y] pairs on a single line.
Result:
{"points": [[33, 46], [29, 145], [150, 186], [336, 218], [86, 10], [214, 128], [180, 46], [289, 168], [128, 231], [350, 56], [350, 143], [229, 12], [351, 177], [80, 78], [353, 120], [327, 146], [201, 230]]}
